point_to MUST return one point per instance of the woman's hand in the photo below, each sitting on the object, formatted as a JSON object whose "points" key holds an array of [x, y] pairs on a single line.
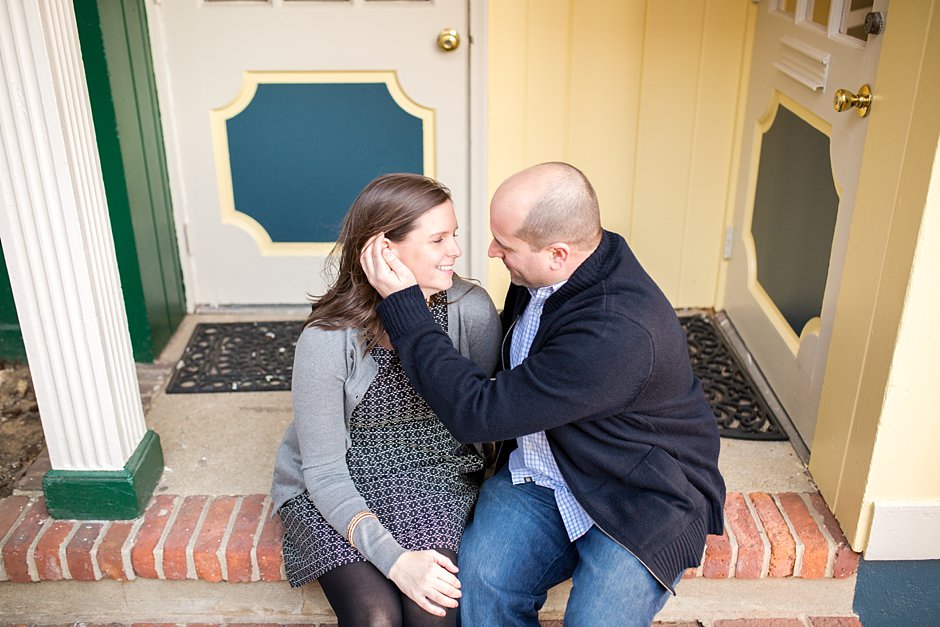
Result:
{"points": [[383, 268], [427, 578]]}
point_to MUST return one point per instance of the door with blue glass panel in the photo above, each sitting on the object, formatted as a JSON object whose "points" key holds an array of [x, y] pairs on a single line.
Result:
{"points": [[795, 188], [279, 111]]}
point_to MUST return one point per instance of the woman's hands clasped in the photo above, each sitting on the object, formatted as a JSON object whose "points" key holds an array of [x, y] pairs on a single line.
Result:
{"points": [[427, 578]]}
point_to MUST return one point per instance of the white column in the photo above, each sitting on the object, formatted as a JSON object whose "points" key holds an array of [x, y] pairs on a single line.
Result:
{"points": [[58, 244]]}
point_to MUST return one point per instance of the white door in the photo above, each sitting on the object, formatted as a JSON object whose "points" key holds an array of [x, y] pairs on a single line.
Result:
{"points": [[796, 188], [279, 111]]}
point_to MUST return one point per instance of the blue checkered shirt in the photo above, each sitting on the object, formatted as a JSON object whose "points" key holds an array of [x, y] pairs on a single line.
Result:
{"points": [[533, 459]]}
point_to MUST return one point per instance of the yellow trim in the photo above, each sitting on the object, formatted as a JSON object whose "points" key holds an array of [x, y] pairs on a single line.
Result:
{"points": [[763, 300], [250, 81]]}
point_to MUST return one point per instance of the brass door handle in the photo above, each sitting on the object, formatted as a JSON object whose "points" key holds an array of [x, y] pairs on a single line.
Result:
{"points": [[845, 100], [448, 40]]}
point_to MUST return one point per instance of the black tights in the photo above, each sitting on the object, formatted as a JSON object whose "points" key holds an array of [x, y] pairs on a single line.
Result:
{"points": [[361, 595]]}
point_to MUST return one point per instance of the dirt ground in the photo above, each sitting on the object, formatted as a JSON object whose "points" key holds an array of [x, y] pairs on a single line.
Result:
{"points": [[21, 438]]}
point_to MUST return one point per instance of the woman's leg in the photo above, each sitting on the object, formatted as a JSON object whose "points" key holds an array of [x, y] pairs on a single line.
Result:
{"points": [[361, 595], [414, 616]]}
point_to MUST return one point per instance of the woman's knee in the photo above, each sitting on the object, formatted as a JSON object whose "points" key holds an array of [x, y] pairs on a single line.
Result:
{"points": [[360, 595], [370, 613]]}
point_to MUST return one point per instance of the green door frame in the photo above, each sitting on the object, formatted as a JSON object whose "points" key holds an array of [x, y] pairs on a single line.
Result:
{"points": [[119, 71]]}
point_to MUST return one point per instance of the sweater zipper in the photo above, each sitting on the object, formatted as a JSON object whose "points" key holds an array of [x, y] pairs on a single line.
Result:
{"points": [[650, 570], [502, 360], [502, 353], [502, 346]]}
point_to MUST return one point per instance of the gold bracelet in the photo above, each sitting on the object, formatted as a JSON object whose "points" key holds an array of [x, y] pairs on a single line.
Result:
{"points": [[351, 527]]}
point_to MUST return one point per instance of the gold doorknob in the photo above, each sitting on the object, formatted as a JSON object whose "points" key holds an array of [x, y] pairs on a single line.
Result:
{"points": [[845, 100], [448, 39]]}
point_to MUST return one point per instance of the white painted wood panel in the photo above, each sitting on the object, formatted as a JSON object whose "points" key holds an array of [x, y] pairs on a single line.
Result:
{"points": [[201, 52]]}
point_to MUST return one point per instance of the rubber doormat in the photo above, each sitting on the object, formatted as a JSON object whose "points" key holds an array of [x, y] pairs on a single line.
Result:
{"points": [[741, 411], [259, 356], [237, 357]]}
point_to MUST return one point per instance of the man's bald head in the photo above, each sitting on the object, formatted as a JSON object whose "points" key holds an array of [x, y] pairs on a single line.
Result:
{"points": [[559, 205]]}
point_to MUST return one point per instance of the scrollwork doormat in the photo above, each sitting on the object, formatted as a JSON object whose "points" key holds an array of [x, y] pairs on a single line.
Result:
{"points": [[237, 357], [259, 356], [741, 411]]}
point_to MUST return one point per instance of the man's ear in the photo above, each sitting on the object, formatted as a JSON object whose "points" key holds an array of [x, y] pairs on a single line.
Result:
{"points": [[559, 253]]}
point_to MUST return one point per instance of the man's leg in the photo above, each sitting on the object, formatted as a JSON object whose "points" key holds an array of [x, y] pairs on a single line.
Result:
{"points": [[610, 586], [513, 551]]}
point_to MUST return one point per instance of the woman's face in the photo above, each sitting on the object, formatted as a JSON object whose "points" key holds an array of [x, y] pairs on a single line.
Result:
{"points": [[431, 248]]}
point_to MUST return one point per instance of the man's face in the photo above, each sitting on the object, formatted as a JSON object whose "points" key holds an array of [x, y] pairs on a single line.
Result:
{"points": [[526, 267]]}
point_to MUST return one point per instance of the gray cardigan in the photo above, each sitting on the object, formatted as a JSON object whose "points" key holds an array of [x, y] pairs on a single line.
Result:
{"points": [[331, 374]]}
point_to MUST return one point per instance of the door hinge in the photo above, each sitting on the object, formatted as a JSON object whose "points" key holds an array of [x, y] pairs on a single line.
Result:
{"points": [[729, 242]]}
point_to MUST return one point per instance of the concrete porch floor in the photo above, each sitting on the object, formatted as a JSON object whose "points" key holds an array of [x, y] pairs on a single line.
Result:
{"points": [[224, 444]]}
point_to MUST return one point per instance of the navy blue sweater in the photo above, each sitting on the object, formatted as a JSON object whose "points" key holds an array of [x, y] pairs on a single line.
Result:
{"points": [[608, 379]]}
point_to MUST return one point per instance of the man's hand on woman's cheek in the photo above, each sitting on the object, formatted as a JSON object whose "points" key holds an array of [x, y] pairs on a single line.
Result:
{"points": [[384, 270]]}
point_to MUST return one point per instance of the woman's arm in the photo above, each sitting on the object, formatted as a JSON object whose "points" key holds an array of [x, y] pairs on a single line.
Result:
{"points": [[318, 385], [318, 391], [484, 331], [478, 329]]}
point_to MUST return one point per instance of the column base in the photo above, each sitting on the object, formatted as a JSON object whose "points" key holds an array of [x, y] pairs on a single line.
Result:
{"points": [[106, 494]]}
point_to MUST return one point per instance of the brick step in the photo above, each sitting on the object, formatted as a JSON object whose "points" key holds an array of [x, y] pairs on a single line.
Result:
{"points": [[782, 558], [235, 539]]}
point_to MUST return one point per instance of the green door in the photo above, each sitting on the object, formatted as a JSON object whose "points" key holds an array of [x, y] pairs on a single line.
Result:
{"points": [[11, 340], [119, 71]]}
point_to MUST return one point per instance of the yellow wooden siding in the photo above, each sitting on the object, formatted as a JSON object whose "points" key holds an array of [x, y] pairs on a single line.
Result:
{"points": [[721, 79], [604, 101], [668, 96], [641, 95]]}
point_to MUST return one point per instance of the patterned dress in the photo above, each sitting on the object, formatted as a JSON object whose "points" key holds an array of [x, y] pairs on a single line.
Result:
{"points": [[410, 470]]}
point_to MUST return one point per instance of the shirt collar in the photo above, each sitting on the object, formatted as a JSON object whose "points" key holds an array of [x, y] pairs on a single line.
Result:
{"points": [[547, 290]]}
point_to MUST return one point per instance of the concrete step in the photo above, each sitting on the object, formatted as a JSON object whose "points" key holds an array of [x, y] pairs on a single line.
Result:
{"points": [[217, 559], [794, 601]]}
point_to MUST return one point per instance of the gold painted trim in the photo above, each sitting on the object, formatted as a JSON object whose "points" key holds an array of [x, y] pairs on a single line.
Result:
{"points": [[250, 81], [763, 300]]}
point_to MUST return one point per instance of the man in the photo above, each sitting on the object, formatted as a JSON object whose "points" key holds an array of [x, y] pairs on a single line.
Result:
{"points": [[614, 480]]}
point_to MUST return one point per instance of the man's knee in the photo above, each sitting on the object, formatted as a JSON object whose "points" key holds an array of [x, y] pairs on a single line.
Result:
{"points": [[480, 562]]}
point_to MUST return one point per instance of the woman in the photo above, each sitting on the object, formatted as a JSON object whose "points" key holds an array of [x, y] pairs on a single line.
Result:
{"points": [[372, 489]]}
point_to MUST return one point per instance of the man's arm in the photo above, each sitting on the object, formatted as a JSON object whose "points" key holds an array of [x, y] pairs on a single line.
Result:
{"points": [[578, 374]]}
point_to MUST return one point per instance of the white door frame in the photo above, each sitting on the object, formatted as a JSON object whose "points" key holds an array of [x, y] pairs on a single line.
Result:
{"points": [[478, 211]]}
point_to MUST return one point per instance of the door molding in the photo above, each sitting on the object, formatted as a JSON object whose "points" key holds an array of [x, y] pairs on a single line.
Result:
{"points": [[251, 80], [763, 299], [478, 196]]}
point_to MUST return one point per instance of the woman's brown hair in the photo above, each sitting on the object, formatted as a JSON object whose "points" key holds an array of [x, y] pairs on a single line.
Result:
{"points": [[391, 203]]}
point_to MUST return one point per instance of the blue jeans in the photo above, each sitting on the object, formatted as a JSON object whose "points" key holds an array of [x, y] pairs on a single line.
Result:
{"points": [[516, 548]]}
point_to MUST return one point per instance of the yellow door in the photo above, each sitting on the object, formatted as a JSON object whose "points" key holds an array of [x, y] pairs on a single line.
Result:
{"points": [[279, 111], [796, 185]]}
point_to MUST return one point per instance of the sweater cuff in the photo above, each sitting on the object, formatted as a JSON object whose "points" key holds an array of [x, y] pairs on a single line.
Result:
{"points": [[377, 545], [404, 311]]}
